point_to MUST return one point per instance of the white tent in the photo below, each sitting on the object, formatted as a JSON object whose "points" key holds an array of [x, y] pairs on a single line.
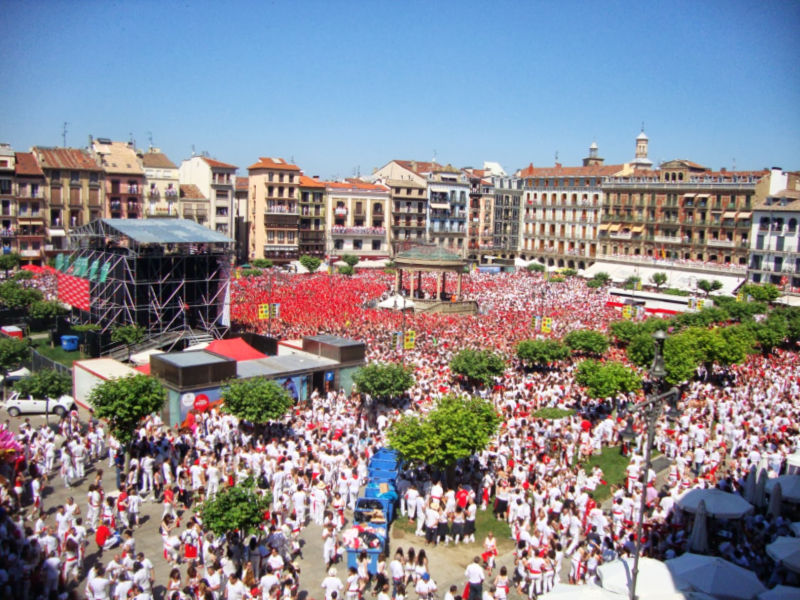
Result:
{"points": [[396, 302], [654, 579], [698, 540], [718, 503], [716, 576], [786, 550], [676, 278], [781, 592], [143, 357], [790, 487]]}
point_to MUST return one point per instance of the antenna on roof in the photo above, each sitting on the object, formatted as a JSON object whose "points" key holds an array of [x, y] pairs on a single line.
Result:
{"points": [[434, 156], [193, 152], [556, 156], [150, 139], [642, 126], [64, 134], [733, 168]]}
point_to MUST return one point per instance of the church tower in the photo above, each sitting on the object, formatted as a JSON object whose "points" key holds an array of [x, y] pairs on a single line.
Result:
{"points": [[593, 160], [641, 161]]}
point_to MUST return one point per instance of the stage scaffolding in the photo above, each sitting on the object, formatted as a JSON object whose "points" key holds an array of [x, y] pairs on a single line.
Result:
{"points": [[162, 274]]}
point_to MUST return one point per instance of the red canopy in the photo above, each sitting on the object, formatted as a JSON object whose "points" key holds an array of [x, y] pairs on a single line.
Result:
{"points": [[235, 348]]}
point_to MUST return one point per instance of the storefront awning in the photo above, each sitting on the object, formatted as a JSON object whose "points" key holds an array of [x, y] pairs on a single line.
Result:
{"points": [[614, 228], [637, 229], [440, 205], [745, 215], [689, 195], [729, 214], [702, 196], [604, 227], [56, 232]]}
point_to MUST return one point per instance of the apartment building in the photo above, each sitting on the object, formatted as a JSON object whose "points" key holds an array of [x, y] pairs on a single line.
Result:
{"points": [[480, 236], [74, 195], [240, 216], [408, 192], [561, 210], [681, 211], [30, 186], [357, 213], [312, 219], [273, 206], [193, 204], [162, 184], [774, 234], [8, 200], [215, 180], [124, 177], [507, 192]]}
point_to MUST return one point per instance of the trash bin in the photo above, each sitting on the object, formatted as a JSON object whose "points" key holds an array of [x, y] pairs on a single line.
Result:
{"points": [[69, 342]]}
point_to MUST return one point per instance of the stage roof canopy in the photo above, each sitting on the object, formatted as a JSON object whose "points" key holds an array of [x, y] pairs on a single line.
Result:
{"points": [[166, 231]]}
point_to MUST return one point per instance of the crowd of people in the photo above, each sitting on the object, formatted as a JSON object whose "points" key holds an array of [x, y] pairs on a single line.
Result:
{"points": [[532, 476]]}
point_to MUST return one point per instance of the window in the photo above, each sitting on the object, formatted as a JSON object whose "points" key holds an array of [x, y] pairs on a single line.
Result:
{"points": [[290, 237], [358, 244], [222, 211], [376, 244], [74, 177], [338, 244], [271, 236], [5, 186]]}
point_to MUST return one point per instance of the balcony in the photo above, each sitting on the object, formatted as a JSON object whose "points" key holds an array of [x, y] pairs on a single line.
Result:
{"points": [[362, 231], [340, 211], [7, 233], [621, 235], [30, 253], [280, 210], [721, 243], [667, 239]]}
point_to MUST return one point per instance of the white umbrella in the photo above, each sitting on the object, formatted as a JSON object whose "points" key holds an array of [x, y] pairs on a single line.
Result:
{"points": [[796, 528], [790, 487], [654, 578], [716, 576], [718, 503], [786, 550], [563, 591], [781, 592], [775, 500], [698, 540], [761, 482], [750, 484]]}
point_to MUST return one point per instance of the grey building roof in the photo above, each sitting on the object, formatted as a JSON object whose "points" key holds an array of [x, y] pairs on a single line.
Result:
{"points": [[166, 231]]}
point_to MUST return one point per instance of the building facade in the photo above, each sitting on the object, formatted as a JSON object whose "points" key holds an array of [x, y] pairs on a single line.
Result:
{"points": [[162, 184], [193, 204], [273, 206], [408, 192], [507, 192], [448, 192], [682, 211], [312, 231], [8, 199], [480, 232], [774, 235], [357, 213], [74, 195], [30, 186], [240, 219], [124, 177], [215, 180], [561, 210]]}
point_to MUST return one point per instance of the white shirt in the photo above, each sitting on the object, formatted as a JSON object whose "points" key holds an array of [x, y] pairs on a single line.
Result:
{"points": [[474, 573]]}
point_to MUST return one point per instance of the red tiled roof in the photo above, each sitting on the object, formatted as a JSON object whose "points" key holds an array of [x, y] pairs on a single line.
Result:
{"points": [[157, 160], [306, 181], [356, 185], [66, 158], [273, 163], [242, 183], [220, 165], [26, 164], [189, 191], [561, 171], [419, 167]]}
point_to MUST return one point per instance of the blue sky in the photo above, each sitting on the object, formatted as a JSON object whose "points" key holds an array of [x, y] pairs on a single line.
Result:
{"points": [[342, 87]]}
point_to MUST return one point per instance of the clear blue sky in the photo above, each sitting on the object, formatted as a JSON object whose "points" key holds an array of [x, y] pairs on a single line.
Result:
{"points": [[340, 86]]}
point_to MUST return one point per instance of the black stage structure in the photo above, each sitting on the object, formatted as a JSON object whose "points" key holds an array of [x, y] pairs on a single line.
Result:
{"points": [[163, 274]]}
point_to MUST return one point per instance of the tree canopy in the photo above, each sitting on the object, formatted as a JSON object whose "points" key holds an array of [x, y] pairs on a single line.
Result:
{"points": [[46, 383], [541, 352], [709, 286], [587, 341], [350, 260], [384, 380], [236, 508], [310, 263], [762, 293], [480, 366], [457, 428], [9, 261], [14, 295], [256, 400], [261, 263], [42, 309], [535, 267], [606, 380], [658, 279], [12, 352], [125, 401]]}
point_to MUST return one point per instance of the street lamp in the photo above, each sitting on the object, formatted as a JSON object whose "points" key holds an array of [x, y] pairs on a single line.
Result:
{"points": [[651, 408]]}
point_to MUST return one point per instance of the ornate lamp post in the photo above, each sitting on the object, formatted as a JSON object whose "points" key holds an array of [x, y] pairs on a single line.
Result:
{"points": [[651, 409]]}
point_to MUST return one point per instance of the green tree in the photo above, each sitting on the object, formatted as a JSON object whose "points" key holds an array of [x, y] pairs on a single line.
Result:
{"points": [[22, 276], [125, 401], [640, 350], [457, 428], [568, 272], [13, 295], [256, 400], [350, 260], [84, 328], [606, 380], [762, 293], [771, 332], [792, 316], [586, 341], [127, 335], [478, 366], [624, 331], [252, 272], [46, 383], [594, 283], [237, 508], [632, 282], [740, 311], [535, 267], [346, 270], [43, 309], [384, 380], [310, 263], [12, 352], [658, 279], [541, 352], [9, 262], [262, 263], [707, 286], [602, 277], [681, 358]]}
